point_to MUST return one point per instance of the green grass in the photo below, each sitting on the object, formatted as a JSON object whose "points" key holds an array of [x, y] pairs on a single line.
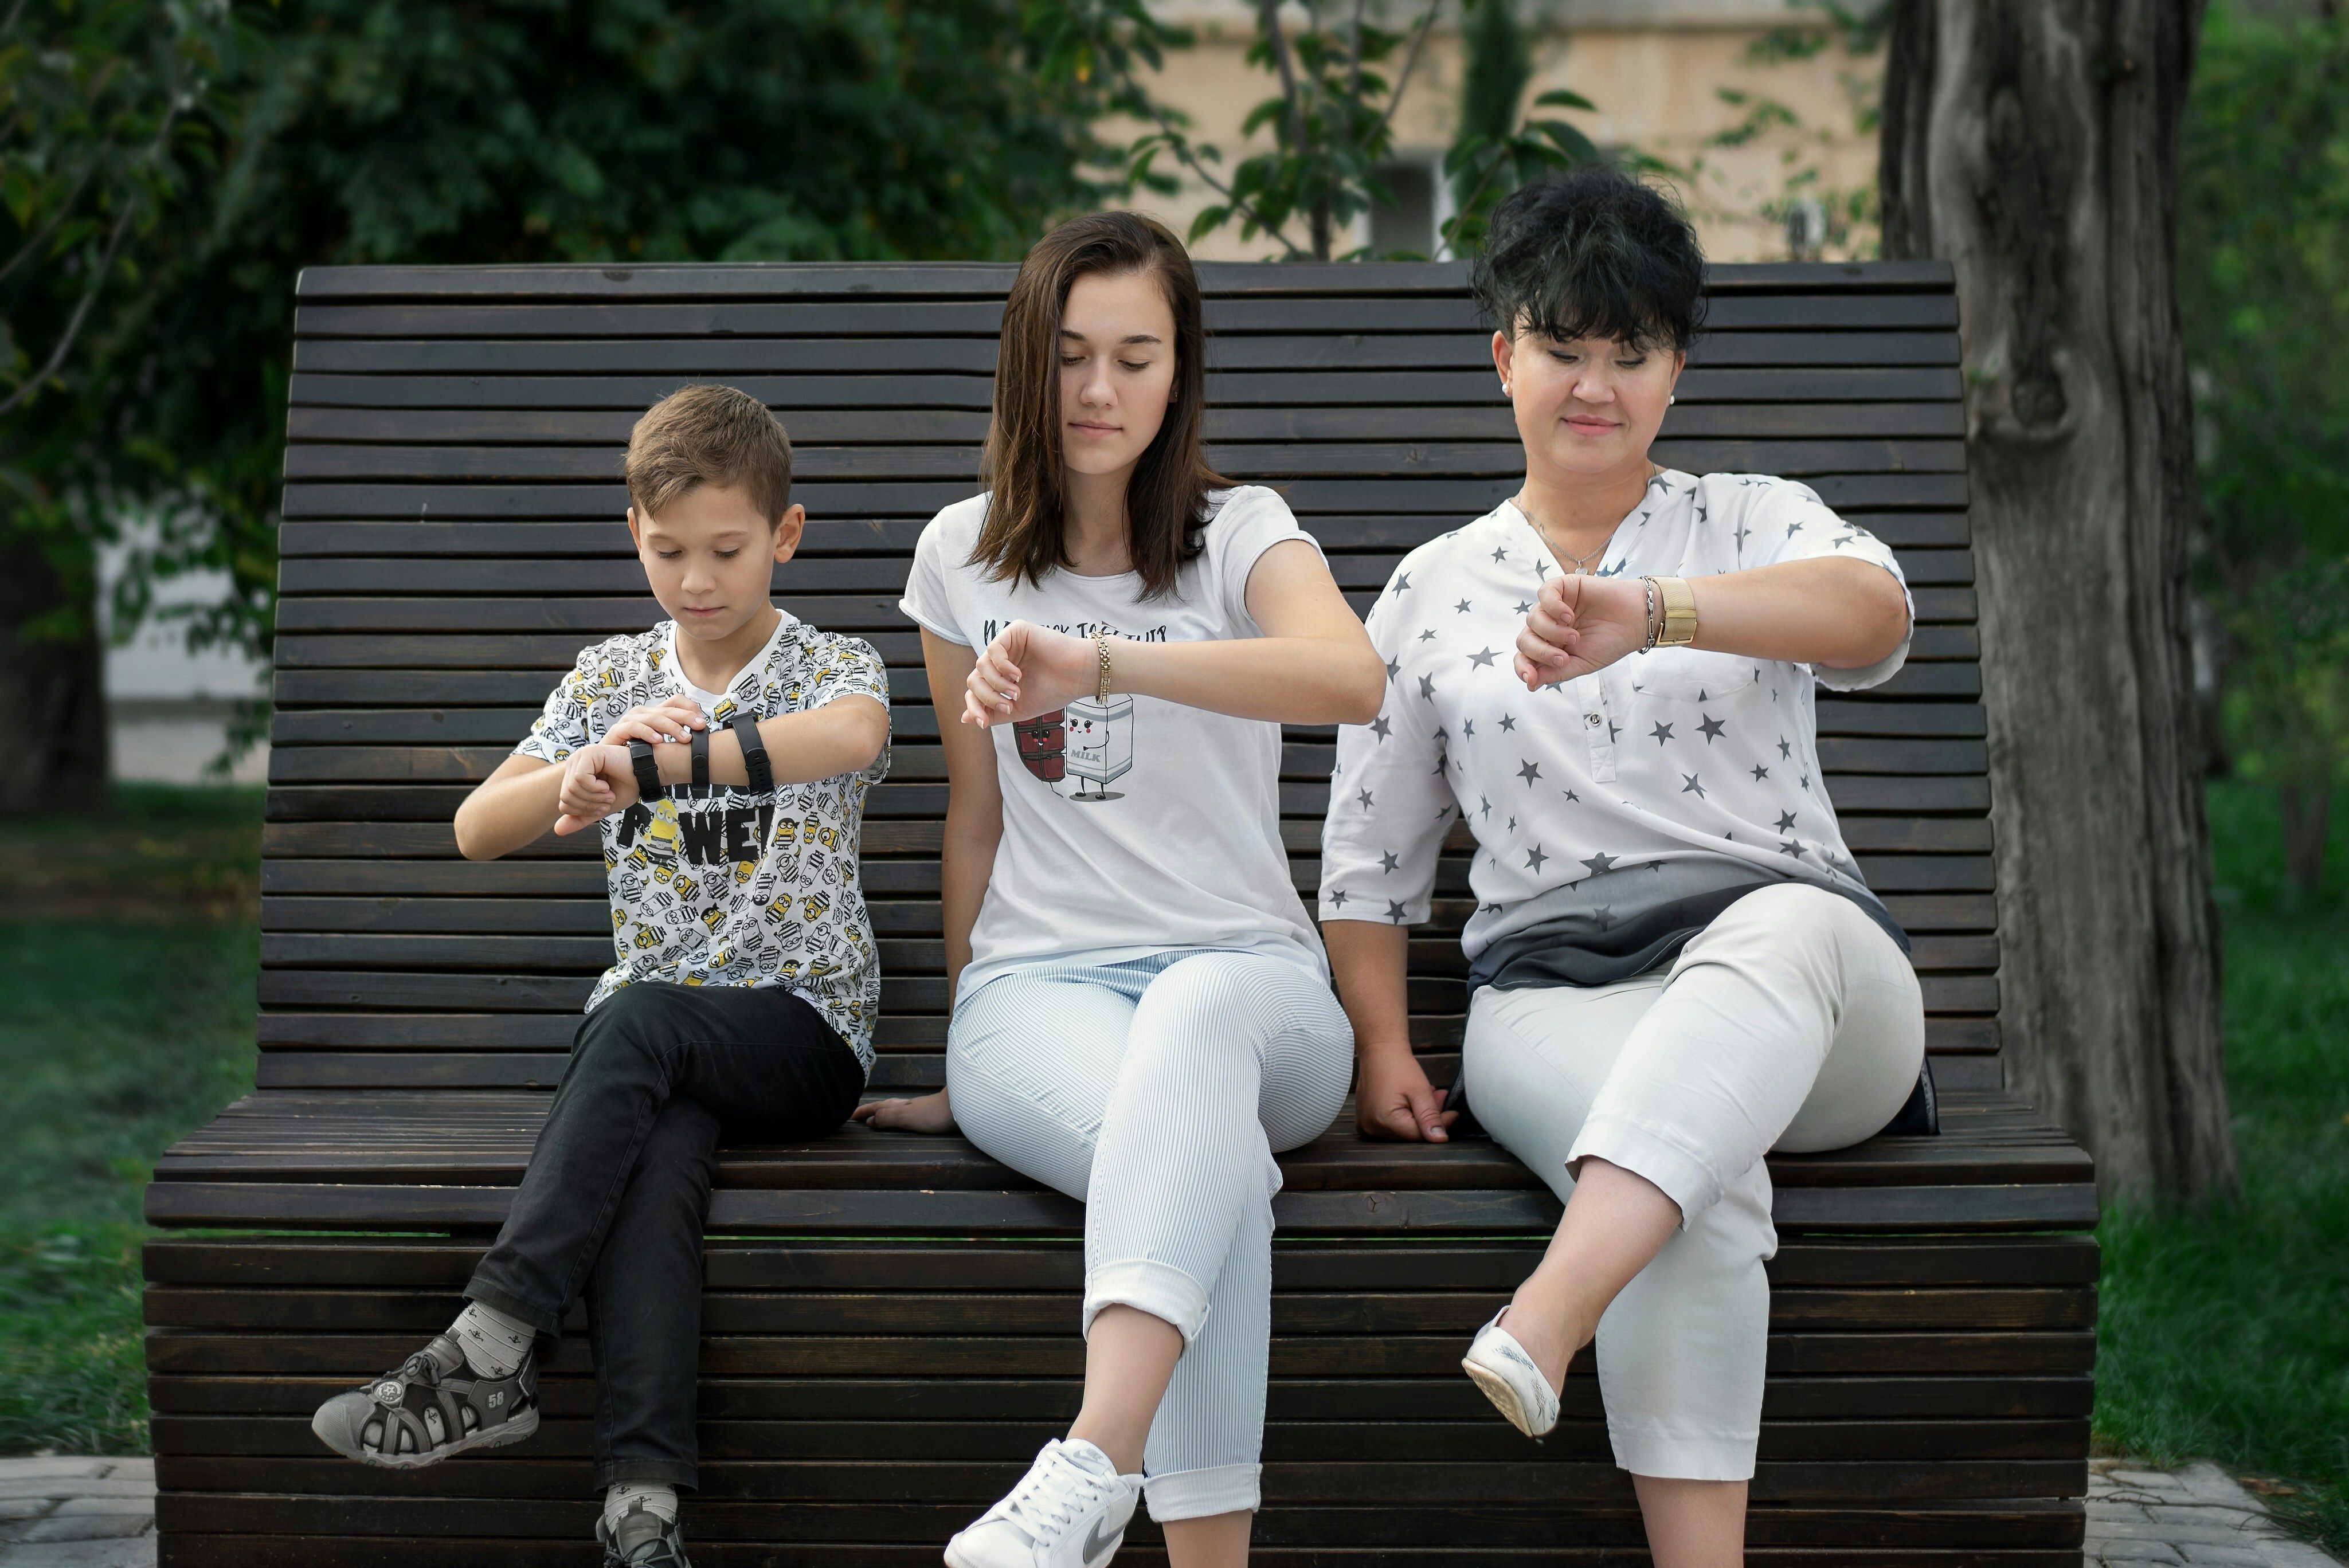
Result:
{"points": [[2226, 1334], [126, 1020]]}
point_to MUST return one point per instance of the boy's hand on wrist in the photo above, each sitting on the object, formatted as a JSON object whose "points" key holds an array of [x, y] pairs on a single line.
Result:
{"points": [[673, 718]]}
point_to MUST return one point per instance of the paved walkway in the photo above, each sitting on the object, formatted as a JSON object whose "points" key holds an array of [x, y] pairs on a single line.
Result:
{"points": [[99, 1513]]}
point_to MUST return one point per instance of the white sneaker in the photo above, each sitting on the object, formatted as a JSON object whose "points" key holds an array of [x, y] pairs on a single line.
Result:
{"points": [[1500, 1366], [1070, 1511]]}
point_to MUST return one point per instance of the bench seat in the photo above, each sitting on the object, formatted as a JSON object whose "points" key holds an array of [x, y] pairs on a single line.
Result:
{"points": [[889, 1320]]}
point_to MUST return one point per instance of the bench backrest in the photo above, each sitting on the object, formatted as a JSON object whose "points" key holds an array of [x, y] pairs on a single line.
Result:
{"points": [[452, 537]]}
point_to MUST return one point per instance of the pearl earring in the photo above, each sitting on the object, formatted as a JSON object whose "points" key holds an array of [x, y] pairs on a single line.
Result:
{"points": [[1671, 399], [1505, 390]]}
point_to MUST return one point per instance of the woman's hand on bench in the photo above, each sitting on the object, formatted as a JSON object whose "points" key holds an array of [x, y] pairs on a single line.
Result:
{"points": [[928, 1113], [1392, 1098]]}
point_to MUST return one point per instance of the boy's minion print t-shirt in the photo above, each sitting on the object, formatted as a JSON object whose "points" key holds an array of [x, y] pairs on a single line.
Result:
{"points": [[721, 885]]}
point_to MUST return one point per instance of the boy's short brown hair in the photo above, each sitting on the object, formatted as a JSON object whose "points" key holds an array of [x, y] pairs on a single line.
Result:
{"points": [[709, 436]]}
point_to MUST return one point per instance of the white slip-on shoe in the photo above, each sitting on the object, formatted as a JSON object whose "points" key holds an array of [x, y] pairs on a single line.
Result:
{"points": [[1070, 1511], [1499, 1365]]}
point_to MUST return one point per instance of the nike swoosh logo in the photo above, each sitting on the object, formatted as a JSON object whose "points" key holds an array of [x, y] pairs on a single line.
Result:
{"points": [[1099, 1546]]}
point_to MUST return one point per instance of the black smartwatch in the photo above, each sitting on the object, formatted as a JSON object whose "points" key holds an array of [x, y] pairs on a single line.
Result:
{"points": [[754, 752], [701, 749], [648, 784]]}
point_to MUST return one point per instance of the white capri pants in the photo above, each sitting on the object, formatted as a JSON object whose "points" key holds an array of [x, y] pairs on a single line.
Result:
{"points": [[1158, 1091], [1793, 1022]]}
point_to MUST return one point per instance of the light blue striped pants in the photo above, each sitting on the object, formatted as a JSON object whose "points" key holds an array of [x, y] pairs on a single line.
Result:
{"points": [[1158, 1091]]}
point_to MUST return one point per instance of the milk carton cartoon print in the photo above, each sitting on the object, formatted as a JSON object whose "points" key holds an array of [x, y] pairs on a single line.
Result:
{"points": [[1099, 745]]}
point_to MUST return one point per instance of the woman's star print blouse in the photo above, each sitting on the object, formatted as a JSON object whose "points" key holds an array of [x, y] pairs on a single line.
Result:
{"points": [[1672, 756]]}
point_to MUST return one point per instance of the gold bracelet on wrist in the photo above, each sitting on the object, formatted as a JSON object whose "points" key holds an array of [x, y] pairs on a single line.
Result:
{"points": [[1676, 625], [1101, 646]]}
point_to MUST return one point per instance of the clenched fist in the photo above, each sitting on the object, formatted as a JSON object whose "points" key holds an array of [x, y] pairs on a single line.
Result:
{"points": [[1580, 623]]}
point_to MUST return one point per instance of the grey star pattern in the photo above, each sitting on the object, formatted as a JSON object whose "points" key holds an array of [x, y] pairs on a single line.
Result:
{"points": [[1603, 917], [1602, 710]]}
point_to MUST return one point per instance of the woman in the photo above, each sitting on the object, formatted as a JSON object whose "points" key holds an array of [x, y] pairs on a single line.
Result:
{"points": [[1675, 966], [1142, 1010]]}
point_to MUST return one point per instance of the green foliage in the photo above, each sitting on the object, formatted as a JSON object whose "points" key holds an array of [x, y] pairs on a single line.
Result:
{"points": [[480, 131], [110, 117], [126, 1021], [2263, 297], [1482, 169], [2220, 1334], [1815, 216]]}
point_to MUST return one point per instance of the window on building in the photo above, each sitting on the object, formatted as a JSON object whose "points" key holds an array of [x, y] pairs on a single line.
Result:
{"points": [[1410, 222]]}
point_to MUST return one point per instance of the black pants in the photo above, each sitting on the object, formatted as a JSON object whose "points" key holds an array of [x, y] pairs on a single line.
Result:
{"points": [[612, 1203]]}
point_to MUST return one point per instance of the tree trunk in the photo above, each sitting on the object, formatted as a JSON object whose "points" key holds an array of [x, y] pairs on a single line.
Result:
{"points": [[2033, 144], [52, 691], [2307, 822]]}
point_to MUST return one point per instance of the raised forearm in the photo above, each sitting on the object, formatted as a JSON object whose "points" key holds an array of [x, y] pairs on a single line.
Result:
{"points": [[1367, 962], [513, 807], [1289, 680], [842, 736], [1844, 615]]}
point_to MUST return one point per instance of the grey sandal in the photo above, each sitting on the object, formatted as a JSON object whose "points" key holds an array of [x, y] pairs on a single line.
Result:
{"points": [[643, 1540], [431, 1407]]}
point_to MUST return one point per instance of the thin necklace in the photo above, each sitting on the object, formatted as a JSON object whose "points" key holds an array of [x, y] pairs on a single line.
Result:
{"points": [[1581, 563]]}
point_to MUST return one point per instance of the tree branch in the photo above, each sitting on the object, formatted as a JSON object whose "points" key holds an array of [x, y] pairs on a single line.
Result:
{"points": [[100, 274], [35, 244], [1269, 14], [1181, 148], [1409, 60]]}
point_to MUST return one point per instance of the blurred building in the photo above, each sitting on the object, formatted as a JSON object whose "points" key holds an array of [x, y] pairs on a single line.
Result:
{"points": [[1771, 174], [171, 710]]}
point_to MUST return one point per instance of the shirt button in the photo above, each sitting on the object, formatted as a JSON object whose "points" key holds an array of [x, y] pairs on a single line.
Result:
{"points": [[1591, 719]]}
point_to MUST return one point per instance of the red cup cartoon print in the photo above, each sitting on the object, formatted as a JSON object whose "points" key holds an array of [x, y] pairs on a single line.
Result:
{"points": [[1042, 743]]}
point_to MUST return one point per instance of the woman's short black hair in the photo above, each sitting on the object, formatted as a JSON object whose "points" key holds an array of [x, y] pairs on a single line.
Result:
{"points": [[1590, 252]]}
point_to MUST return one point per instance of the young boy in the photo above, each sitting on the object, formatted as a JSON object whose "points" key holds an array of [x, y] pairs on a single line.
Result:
{"points": [[725, 754]]}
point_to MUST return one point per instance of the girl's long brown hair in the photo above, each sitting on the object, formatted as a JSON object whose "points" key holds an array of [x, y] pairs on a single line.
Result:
{"points": [[1166, 495]]}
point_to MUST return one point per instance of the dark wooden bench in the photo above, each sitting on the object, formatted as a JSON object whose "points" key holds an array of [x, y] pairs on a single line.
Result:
{"points": [[890, 1320]]}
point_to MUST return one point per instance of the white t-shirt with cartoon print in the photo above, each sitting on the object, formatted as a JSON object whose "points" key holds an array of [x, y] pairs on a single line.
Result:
{"points": [[1140, 825], [724, 885]]}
